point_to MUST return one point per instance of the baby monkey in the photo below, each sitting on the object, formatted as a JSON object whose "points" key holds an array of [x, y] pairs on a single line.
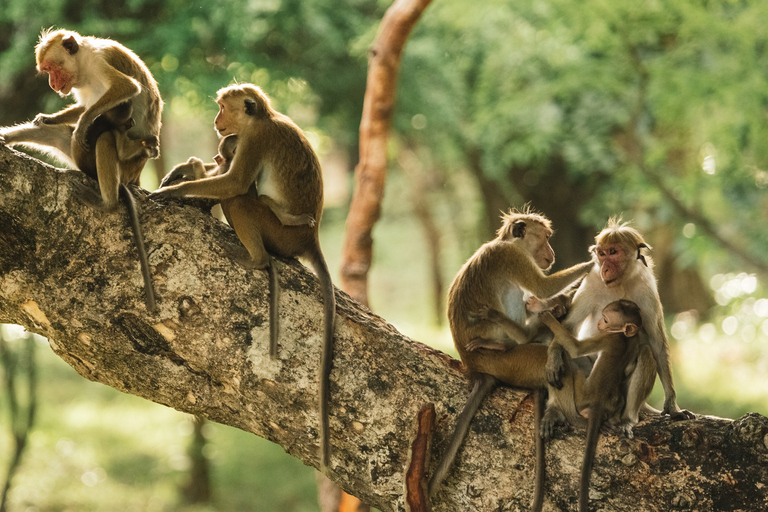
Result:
{"points": [[601, 397]]}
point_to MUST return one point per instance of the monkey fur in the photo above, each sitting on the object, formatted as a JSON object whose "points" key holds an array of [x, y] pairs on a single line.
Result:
{"points": [[603, 392], [109, 132], [487, 315], [624, 271], [272, 195]]}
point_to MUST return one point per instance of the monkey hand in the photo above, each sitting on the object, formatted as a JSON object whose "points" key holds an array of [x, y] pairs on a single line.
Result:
{"points": [[555, 367], [42, 119], [187, 171], [534, 305], [81, 135], [484, 313], [547, 319], [164, 193]]}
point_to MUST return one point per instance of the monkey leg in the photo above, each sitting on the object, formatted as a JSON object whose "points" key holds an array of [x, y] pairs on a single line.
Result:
{"points": [[108, 170], [242, 214], [287, 219], [521, 366], [54, 136], [639, 388], [564, 404]]}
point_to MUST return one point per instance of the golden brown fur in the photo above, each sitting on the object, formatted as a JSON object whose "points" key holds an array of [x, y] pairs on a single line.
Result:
{"points": [[487, 314], [271, 192], [625, 271], [603, 393], [111, 130]]}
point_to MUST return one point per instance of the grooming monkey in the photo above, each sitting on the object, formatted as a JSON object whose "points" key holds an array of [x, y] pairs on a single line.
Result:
{"points": [[272, 195], [624, 271], [109, 132], [487, 316], [601, 396], [195, 169]]}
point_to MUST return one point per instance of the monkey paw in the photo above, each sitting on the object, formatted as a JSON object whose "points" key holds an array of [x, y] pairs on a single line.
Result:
{"points": [[87, 194], [42, 119], [552, 419], [162, 193], [555, 369], [679, 415], [534, 305]]}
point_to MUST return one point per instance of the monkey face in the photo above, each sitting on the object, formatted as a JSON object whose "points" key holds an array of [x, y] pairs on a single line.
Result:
{"points": [[536, 241], [59, 78], [230, 119], [612, 259]]}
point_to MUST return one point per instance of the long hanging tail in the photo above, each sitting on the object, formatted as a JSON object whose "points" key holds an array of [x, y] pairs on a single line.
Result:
{"points": [[593, 433], [274, 304], [540, 466], [326, 360], [138, 239], [484, 384]]}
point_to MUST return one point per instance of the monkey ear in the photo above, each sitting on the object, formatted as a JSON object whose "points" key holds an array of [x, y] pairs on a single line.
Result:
{"points": [[630, 329], [70, 44], [640, 255], [518, 229], [250, 107]]}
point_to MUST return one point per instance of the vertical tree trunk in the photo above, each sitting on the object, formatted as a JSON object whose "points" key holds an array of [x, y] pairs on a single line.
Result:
{"points": [[371, 171]]}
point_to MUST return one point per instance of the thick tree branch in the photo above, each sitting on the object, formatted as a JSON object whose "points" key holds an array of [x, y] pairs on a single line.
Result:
{"points": [[70, 273]]}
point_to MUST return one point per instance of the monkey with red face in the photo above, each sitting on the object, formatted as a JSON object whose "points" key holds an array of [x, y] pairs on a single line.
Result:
{"points": [[112, 129], [624, 271]]}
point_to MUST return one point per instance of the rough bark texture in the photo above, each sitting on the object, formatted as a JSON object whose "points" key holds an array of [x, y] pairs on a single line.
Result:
{"points": [[70, 274]]}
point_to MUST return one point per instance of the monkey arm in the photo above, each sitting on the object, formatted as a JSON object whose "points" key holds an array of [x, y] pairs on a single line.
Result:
{"points": [[660, 347], [583, 302], [121, 89], [574, 347], [69, 115], [192, 169], [541, 285], [243, 172]]}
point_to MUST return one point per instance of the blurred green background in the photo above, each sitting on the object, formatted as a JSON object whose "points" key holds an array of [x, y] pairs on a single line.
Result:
{"points": [[655, 111]]}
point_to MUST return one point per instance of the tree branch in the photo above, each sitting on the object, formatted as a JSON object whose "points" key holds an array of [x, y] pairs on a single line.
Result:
{"points": [[70, 274]]}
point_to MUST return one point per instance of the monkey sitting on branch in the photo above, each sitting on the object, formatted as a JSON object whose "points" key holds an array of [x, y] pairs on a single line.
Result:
{"points": [[487, 317], [624, 270], [112, 129], [601, 397], [271, 192]]}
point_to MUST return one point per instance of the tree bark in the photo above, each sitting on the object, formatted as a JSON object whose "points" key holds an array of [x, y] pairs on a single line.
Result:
{"points": [[371, 171], [70, 273]]}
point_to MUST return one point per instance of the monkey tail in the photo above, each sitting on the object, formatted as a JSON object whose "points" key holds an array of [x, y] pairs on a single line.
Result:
{"points": [[274, 304], [593, 433], [484, 384], [138, 239], [326, 360], [540, 466]]}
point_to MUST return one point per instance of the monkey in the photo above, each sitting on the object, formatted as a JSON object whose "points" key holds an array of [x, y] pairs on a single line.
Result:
{"points": [[195, 169], [109, 132], [487, 317], [602, 395], [624, 270], [273, 170]]}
